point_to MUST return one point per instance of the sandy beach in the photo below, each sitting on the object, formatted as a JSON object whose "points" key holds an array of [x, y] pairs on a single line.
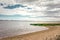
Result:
{"points": [[42, 35]]}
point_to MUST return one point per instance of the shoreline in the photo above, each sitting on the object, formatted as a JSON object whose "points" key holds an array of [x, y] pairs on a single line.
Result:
{"points": [[40, 22], [45, 33], [31, 32]]}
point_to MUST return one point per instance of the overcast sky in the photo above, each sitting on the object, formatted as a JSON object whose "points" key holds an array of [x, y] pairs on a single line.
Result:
{"points": [[39, 8]]}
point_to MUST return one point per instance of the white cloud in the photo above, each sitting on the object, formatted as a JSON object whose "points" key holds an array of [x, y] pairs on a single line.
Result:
{"points": [[39, 8]]}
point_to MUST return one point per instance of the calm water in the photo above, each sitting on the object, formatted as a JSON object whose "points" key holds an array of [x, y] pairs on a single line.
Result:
{"points": [[12, 28]]}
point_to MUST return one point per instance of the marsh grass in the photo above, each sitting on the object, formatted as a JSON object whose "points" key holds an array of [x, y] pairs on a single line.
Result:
{"points": [[45, 24]]}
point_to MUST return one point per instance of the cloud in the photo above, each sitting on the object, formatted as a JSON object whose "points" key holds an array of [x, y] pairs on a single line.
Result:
{"points": [[17, 16], [39, 8], [25, 1]]}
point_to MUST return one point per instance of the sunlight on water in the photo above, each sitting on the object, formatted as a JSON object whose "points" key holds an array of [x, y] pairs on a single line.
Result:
{"points": [[12, 28]]}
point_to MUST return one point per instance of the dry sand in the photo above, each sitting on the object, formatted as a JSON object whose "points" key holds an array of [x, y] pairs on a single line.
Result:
{"points": [[42, 35]]}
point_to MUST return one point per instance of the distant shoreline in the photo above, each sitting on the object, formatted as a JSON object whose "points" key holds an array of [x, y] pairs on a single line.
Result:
{"points": [[53, 22]]}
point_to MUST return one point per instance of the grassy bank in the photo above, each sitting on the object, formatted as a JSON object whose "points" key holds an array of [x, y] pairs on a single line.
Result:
{"points": [[45, 24]]}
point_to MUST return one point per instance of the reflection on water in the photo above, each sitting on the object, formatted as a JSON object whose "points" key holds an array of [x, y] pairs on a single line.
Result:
{"points": [[11, 28]]}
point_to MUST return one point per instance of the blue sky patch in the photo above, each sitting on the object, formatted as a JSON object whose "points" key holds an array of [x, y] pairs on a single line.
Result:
{"points": [[13, 6], [16, 6]]}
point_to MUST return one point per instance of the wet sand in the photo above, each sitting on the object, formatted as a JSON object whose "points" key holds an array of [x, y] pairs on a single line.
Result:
{"points": [[42, 35]]}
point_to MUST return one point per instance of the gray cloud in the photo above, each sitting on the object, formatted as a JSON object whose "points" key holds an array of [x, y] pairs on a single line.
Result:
{"points": [[52, 6], [25, 1], [52, 13]]}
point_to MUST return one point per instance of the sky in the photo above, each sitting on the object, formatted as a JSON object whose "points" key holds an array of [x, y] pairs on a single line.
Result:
{"points": [[30, 9]]}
